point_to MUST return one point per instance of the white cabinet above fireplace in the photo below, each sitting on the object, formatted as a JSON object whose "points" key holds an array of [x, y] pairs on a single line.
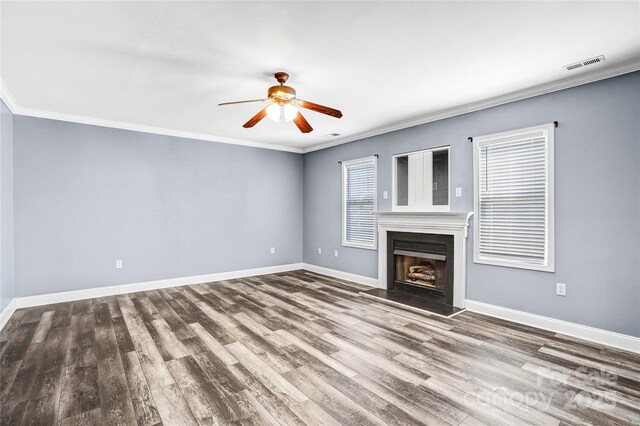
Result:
{"points": [[421, 181]]}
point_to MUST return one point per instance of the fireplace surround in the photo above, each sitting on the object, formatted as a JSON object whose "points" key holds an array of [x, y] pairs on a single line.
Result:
{"points": [[431, 234]]}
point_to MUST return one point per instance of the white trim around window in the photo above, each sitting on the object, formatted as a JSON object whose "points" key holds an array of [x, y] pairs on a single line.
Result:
{"points": [[514, 199], [359, 203]]}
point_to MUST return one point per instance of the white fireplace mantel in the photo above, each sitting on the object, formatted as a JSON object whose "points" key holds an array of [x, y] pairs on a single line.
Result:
{"points": [[444, 223]]}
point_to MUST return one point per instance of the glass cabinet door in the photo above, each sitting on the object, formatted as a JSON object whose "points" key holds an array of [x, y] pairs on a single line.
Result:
{"points": [[440, 178], [402, 181], [421, 181]]}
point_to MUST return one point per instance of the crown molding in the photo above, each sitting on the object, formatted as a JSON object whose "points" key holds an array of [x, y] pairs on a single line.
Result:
{"points": [[16, 109], [567, 83], [555, 86], [8, 98]]}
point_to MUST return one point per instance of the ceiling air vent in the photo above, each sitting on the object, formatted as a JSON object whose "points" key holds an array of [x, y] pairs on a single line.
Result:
{"points": [[584, 63], [331, 135]]}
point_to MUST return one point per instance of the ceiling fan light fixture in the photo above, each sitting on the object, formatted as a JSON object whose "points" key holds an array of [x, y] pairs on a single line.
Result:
{"points": [[281, 113], [283, 106]]}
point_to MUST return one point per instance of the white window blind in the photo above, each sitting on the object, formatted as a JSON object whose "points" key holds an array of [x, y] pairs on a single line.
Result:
{"points": [[514, 199], [359, 203]]}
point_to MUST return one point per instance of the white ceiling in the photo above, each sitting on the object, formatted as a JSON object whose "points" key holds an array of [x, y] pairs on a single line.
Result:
{"points": [[385, 64]]}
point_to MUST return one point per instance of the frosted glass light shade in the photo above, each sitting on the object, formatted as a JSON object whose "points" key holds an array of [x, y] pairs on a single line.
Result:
{"points": [[282, 113]]}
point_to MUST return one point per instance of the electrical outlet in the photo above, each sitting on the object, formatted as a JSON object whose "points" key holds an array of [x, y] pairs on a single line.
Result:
{"points": [[385, 195], [319, 250], [561, 289], [335, 253], [458, 192], [118, 264], [273, 250]]}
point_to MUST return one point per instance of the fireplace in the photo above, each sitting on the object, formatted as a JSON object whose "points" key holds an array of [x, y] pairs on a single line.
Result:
{"points": [[434, 244], [421, 264]]}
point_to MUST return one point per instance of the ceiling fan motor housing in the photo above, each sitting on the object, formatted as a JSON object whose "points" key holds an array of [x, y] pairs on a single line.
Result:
{"points": [[282, 77], [281, 94]]}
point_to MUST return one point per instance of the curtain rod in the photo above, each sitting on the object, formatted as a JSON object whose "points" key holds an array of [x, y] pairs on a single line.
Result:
{"points": [[374, 155], [555, 124]]}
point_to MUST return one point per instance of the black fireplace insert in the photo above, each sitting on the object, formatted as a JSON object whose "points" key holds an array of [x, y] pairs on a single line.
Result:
{"points": [[421, 264]]}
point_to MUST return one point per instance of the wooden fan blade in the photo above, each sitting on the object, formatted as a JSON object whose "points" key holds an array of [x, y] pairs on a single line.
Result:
{"points": [[320, 108], [302, 124], [242, 102], [256, 118]]}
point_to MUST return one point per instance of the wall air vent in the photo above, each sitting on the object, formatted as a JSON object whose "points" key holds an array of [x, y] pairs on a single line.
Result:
{"points": [[584, 63]]}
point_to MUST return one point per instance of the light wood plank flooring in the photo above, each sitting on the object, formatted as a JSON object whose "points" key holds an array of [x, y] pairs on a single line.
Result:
{"points": [[298, 348]]}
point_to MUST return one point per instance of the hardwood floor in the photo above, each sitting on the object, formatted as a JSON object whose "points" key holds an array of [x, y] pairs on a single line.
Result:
{"points": [[298, 348]]}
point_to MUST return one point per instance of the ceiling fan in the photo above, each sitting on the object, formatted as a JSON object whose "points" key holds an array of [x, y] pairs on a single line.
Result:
{"points": [[284, 106]]}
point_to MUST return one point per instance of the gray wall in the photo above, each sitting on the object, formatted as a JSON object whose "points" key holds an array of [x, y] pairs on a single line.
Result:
{"points": [[84, 196], [597, 193], [168, 207], [7, 289]]}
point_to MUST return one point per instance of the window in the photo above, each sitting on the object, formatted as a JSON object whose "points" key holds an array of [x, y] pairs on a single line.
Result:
{"points": [[359, 203], [421, 180], [513, 195]]}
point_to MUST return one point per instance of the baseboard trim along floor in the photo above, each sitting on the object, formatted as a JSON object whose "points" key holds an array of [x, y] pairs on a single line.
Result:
{"points": [[7, 312], [360, 279], [90, 293], [592, 334]]}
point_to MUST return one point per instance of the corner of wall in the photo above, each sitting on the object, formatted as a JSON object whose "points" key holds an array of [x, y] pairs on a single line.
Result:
{"points": [[7, 284]]}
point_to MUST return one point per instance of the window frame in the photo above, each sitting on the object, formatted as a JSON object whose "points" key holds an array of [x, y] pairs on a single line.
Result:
{"points": [[345, 165], [394, 182], [547, 130]]}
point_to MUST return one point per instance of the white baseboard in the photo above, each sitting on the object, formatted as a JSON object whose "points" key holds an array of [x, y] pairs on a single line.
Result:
{"points": [[592, 334], [68, 296], [360, 279], [7, 312], [90, 293]]}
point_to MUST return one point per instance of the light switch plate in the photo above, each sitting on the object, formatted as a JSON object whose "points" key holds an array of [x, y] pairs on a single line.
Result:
{"points": [[458, 192], [118, 264], [385, 195], [561, 289], [335, 253]]}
